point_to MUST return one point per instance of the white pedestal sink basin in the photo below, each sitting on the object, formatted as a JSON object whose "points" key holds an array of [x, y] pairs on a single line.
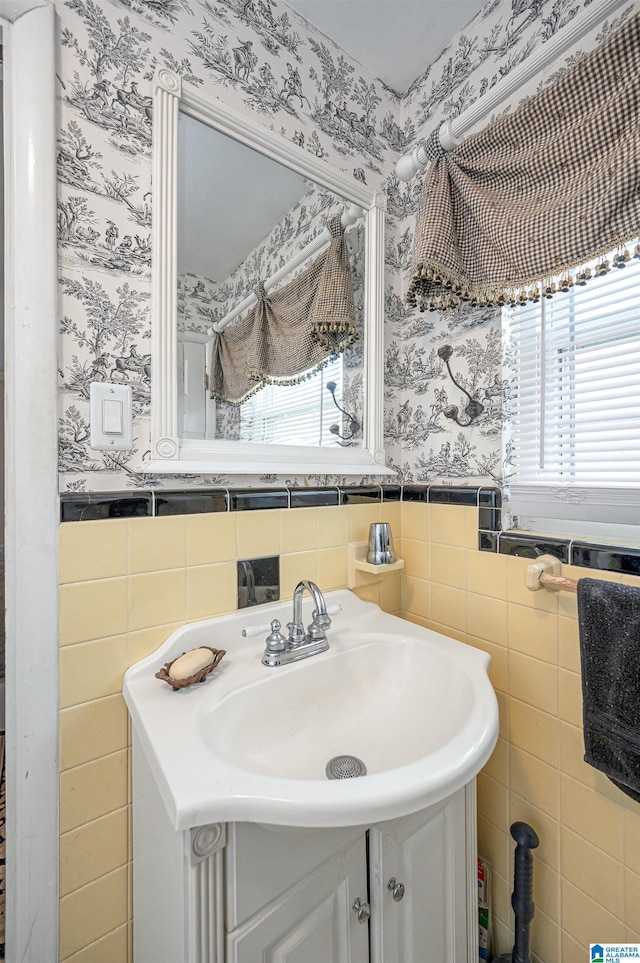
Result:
{"points": [[388, 701], [251, 743]]}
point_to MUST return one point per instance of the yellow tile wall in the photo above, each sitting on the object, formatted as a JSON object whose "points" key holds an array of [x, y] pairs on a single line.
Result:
{"points": [[587, 868], [125, 586]]}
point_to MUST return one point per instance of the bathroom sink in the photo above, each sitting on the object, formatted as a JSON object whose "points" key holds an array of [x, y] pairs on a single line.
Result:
{"points": [[412, 707], [386, 701]]}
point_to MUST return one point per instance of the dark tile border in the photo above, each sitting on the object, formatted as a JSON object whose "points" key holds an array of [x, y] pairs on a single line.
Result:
{"points": [[608, 558], [533, 546], [439, 495], [489, 519], [488, 541], [415, 493], [363, 495], [313, 497], [82, 506], [256, 499], [599, 557], [191, 502], [490, 509], [489, 498], [79, 505]]}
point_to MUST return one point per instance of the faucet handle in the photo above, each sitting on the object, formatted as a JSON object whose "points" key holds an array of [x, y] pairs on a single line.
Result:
{"points": [[321, 619], [251, 631], [276, 641], [316, 630], [296, 633]]}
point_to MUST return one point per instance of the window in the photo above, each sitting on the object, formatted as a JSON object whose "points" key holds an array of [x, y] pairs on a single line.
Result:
{"points": [[573, 415], [295, 415]]}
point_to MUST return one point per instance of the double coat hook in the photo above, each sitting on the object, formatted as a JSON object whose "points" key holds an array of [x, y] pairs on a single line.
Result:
{"points": [[473, 408], [354, 425]]}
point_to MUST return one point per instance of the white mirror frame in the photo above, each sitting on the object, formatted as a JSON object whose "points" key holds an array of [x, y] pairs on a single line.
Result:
{"points": [[169, 452]]}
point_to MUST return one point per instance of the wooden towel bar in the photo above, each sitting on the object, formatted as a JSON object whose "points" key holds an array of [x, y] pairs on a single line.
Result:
{"points": [[545, 573], [558, 582]]}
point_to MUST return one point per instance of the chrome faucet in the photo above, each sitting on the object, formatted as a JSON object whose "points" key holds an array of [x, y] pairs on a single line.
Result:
{"points": [[300, 644]]}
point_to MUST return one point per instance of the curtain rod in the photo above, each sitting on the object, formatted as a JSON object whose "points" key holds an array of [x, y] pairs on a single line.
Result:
{"points": [[452, 132], [349, 216]]}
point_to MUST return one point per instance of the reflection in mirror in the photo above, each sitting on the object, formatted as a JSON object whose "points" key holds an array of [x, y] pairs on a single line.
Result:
{"points": [[271, 237], [252, 232]]}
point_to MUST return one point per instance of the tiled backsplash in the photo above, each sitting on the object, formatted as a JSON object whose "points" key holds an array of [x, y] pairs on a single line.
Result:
{"points": [[127, 582], [587, 868], [586, 554]]}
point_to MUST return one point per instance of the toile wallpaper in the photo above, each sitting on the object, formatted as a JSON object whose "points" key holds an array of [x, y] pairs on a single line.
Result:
{"points": [[421, 443], [261, 57]]}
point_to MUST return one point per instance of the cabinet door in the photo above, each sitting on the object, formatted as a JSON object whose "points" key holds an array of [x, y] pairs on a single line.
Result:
{"points": [[427, 857], [314, 920]]}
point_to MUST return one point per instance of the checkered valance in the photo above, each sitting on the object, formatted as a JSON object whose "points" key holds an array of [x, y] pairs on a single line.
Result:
{"points": [[539, 192], [292, 332]]}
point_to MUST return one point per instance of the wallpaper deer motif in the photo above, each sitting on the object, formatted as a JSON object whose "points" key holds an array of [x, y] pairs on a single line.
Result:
{"points": [[259, 56]]}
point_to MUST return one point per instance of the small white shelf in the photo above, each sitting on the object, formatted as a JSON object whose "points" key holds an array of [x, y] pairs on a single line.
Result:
{"points": [[362, 573], [381, 570]]}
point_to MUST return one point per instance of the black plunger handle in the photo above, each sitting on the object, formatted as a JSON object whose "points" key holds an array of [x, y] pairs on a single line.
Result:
{"points": [[522, 898]]}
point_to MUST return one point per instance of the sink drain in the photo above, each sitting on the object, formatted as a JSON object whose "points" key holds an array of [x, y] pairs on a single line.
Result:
{"points": [[345, 767]]}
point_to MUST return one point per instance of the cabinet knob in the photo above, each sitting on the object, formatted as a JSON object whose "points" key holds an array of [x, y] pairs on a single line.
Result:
{"points": [[362, 910], [397, 889]]}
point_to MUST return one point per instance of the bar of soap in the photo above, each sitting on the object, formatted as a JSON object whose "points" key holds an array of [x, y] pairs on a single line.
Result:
{"points": [[190, 663]]}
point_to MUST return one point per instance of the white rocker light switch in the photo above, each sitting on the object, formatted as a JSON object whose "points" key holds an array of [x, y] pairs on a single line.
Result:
{"points": [[111, 417]]}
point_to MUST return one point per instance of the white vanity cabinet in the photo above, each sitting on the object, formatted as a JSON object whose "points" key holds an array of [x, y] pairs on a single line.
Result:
{"points": [[420, 886], [247, 893], [245, 853], [304, 915]]}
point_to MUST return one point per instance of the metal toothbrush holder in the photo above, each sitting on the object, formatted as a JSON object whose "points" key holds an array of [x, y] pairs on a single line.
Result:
{"points": [[380, 551]]}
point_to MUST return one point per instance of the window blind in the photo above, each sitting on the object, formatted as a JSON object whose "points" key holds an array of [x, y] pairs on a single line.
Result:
{"points": [[295, 414], [573, 419]]}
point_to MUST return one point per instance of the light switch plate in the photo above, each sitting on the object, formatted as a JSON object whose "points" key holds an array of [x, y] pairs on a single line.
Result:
{"points": [[107, 418]]}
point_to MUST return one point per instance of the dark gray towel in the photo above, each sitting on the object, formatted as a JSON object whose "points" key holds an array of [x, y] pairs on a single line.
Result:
{"points": [[609, 623]]}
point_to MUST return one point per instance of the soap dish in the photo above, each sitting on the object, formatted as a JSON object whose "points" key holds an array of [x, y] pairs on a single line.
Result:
{"points": [[199, 676]]}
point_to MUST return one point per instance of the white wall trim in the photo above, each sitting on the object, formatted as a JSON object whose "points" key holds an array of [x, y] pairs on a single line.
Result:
{"points": [[31, 535]]}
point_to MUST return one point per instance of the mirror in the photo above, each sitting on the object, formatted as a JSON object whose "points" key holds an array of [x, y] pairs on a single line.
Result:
{"points": [[234, 206], [271, 215]]}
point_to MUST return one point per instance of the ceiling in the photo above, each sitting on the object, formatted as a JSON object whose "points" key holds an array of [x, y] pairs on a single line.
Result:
{"points": [[394, 39]]}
